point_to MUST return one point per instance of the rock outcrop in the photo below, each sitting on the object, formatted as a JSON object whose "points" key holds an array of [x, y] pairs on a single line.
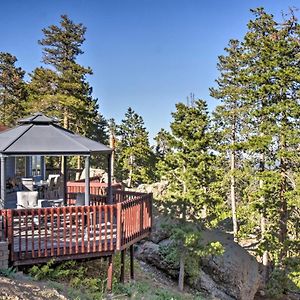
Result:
{"points": [[233, 275], [158, 189]]}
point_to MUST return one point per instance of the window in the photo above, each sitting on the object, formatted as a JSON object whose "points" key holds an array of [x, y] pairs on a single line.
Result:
{"points": [[20, 166]]}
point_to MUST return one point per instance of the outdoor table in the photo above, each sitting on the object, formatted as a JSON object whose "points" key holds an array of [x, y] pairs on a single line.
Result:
{"points": [[40, 187], [56, 202]]}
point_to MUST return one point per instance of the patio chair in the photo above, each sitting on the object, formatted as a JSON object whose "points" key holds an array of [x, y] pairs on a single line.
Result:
{"points": [[55, 176], [51, 191], [60, 187], [80, 201], [27, 199], [27, 184]]}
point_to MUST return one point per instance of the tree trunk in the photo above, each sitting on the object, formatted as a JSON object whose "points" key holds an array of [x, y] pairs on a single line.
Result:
{"points": [[181, 246], [263, 220], [78, 173], [283, 213], [130, 171], [181, 270], [65, 126], [232, 182]]}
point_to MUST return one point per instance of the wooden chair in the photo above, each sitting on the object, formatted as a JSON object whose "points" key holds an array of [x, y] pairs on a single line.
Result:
{"points": [[27, 184], [55, 176]]}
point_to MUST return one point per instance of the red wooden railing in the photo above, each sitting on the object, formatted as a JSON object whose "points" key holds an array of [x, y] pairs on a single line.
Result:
{"points": [[96, 188], [76, 231], [136, 218]]}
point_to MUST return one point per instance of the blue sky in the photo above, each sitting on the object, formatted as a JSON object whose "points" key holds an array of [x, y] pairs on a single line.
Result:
{"points": [[147, 54]]}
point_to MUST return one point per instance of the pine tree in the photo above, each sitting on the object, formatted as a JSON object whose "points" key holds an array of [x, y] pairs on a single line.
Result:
{"points": [[266, 85], [271, 90], [13, 94], [229, 117], [135, 159], [162, 144], [189, 168], [62, 90]]}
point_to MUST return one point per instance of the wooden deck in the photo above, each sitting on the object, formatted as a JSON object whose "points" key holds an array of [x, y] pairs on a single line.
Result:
{"points": [[73, 232]]}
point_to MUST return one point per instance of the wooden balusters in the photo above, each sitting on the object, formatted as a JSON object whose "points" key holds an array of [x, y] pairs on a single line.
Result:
{"points": [[77, 230]]}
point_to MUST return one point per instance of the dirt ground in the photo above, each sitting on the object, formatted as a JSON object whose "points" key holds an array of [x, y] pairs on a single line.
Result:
{"points": [[22, 289]]}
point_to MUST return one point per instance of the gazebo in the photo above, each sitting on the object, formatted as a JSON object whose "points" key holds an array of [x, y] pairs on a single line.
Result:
{"points": [[39, 135], [96, 229]]}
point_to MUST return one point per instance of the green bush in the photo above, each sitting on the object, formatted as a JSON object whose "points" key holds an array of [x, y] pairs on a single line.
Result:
{"points": [[9, 272], [75, 275]]}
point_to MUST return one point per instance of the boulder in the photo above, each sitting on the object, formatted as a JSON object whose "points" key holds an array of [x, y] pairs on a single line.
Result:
{"points": [[158, 189], [95, 173], [236, 272], [159, 233], [233, 275]]}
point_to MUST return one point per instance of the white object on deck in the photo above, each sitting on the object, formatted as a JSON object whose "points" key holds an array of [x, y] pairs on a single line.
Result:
{"points": [[27, 199]]}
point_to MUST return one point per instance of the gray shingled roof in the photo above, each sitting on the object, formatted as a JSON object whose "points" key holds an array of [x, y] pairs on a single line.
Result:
{"points": [[40, 134]]}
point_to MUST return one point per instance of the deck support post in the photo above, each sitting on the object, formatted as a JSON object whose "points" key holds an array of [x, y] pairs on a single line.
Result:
{"points": [[3, 181], [131, 263], [109, 273], [122, 271], [87, 181], [109, 192]]}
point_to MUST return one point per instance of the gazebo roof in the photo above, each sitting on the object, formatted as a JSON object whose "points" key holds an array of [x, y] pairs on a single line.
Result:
{"points": [[40, 135]]}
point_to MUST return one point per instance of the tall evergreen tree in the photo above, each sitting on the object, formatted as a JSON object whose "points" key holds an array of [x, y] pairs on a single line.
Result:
{"points": [[63, 89], [272, 90], [12, 90], [135, 159], [189, 167], [229, 117], [190, 164], [162, 144], [267, 81]]}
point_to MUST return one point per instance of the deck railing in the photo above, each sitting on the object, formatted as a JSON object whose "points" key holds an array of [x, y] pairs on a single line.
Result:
{"points": [[96, 189], [136, 218], [36, 235]]}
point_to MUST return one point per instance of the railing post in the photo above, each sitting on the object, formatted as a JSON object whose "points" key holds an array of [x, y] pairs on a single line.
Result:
{"points": [[10, 235], [119, 226], [150, 208]]}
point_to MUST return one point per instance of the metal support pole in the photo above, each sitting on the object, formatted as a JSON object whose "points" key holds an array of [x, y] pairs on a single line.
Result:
{"points": [[28, 165], [65, 179], [87, 181], [43, 168], [112, 142], [109, 192], [3, 182]]}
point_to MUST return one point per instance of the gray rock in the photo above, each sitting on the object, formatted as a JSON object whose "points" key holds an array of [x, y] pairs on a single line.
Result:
{"points": [[236, 272], [158, 233], [158, 189], [149, 252], [207, 285], [233, 275]]}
